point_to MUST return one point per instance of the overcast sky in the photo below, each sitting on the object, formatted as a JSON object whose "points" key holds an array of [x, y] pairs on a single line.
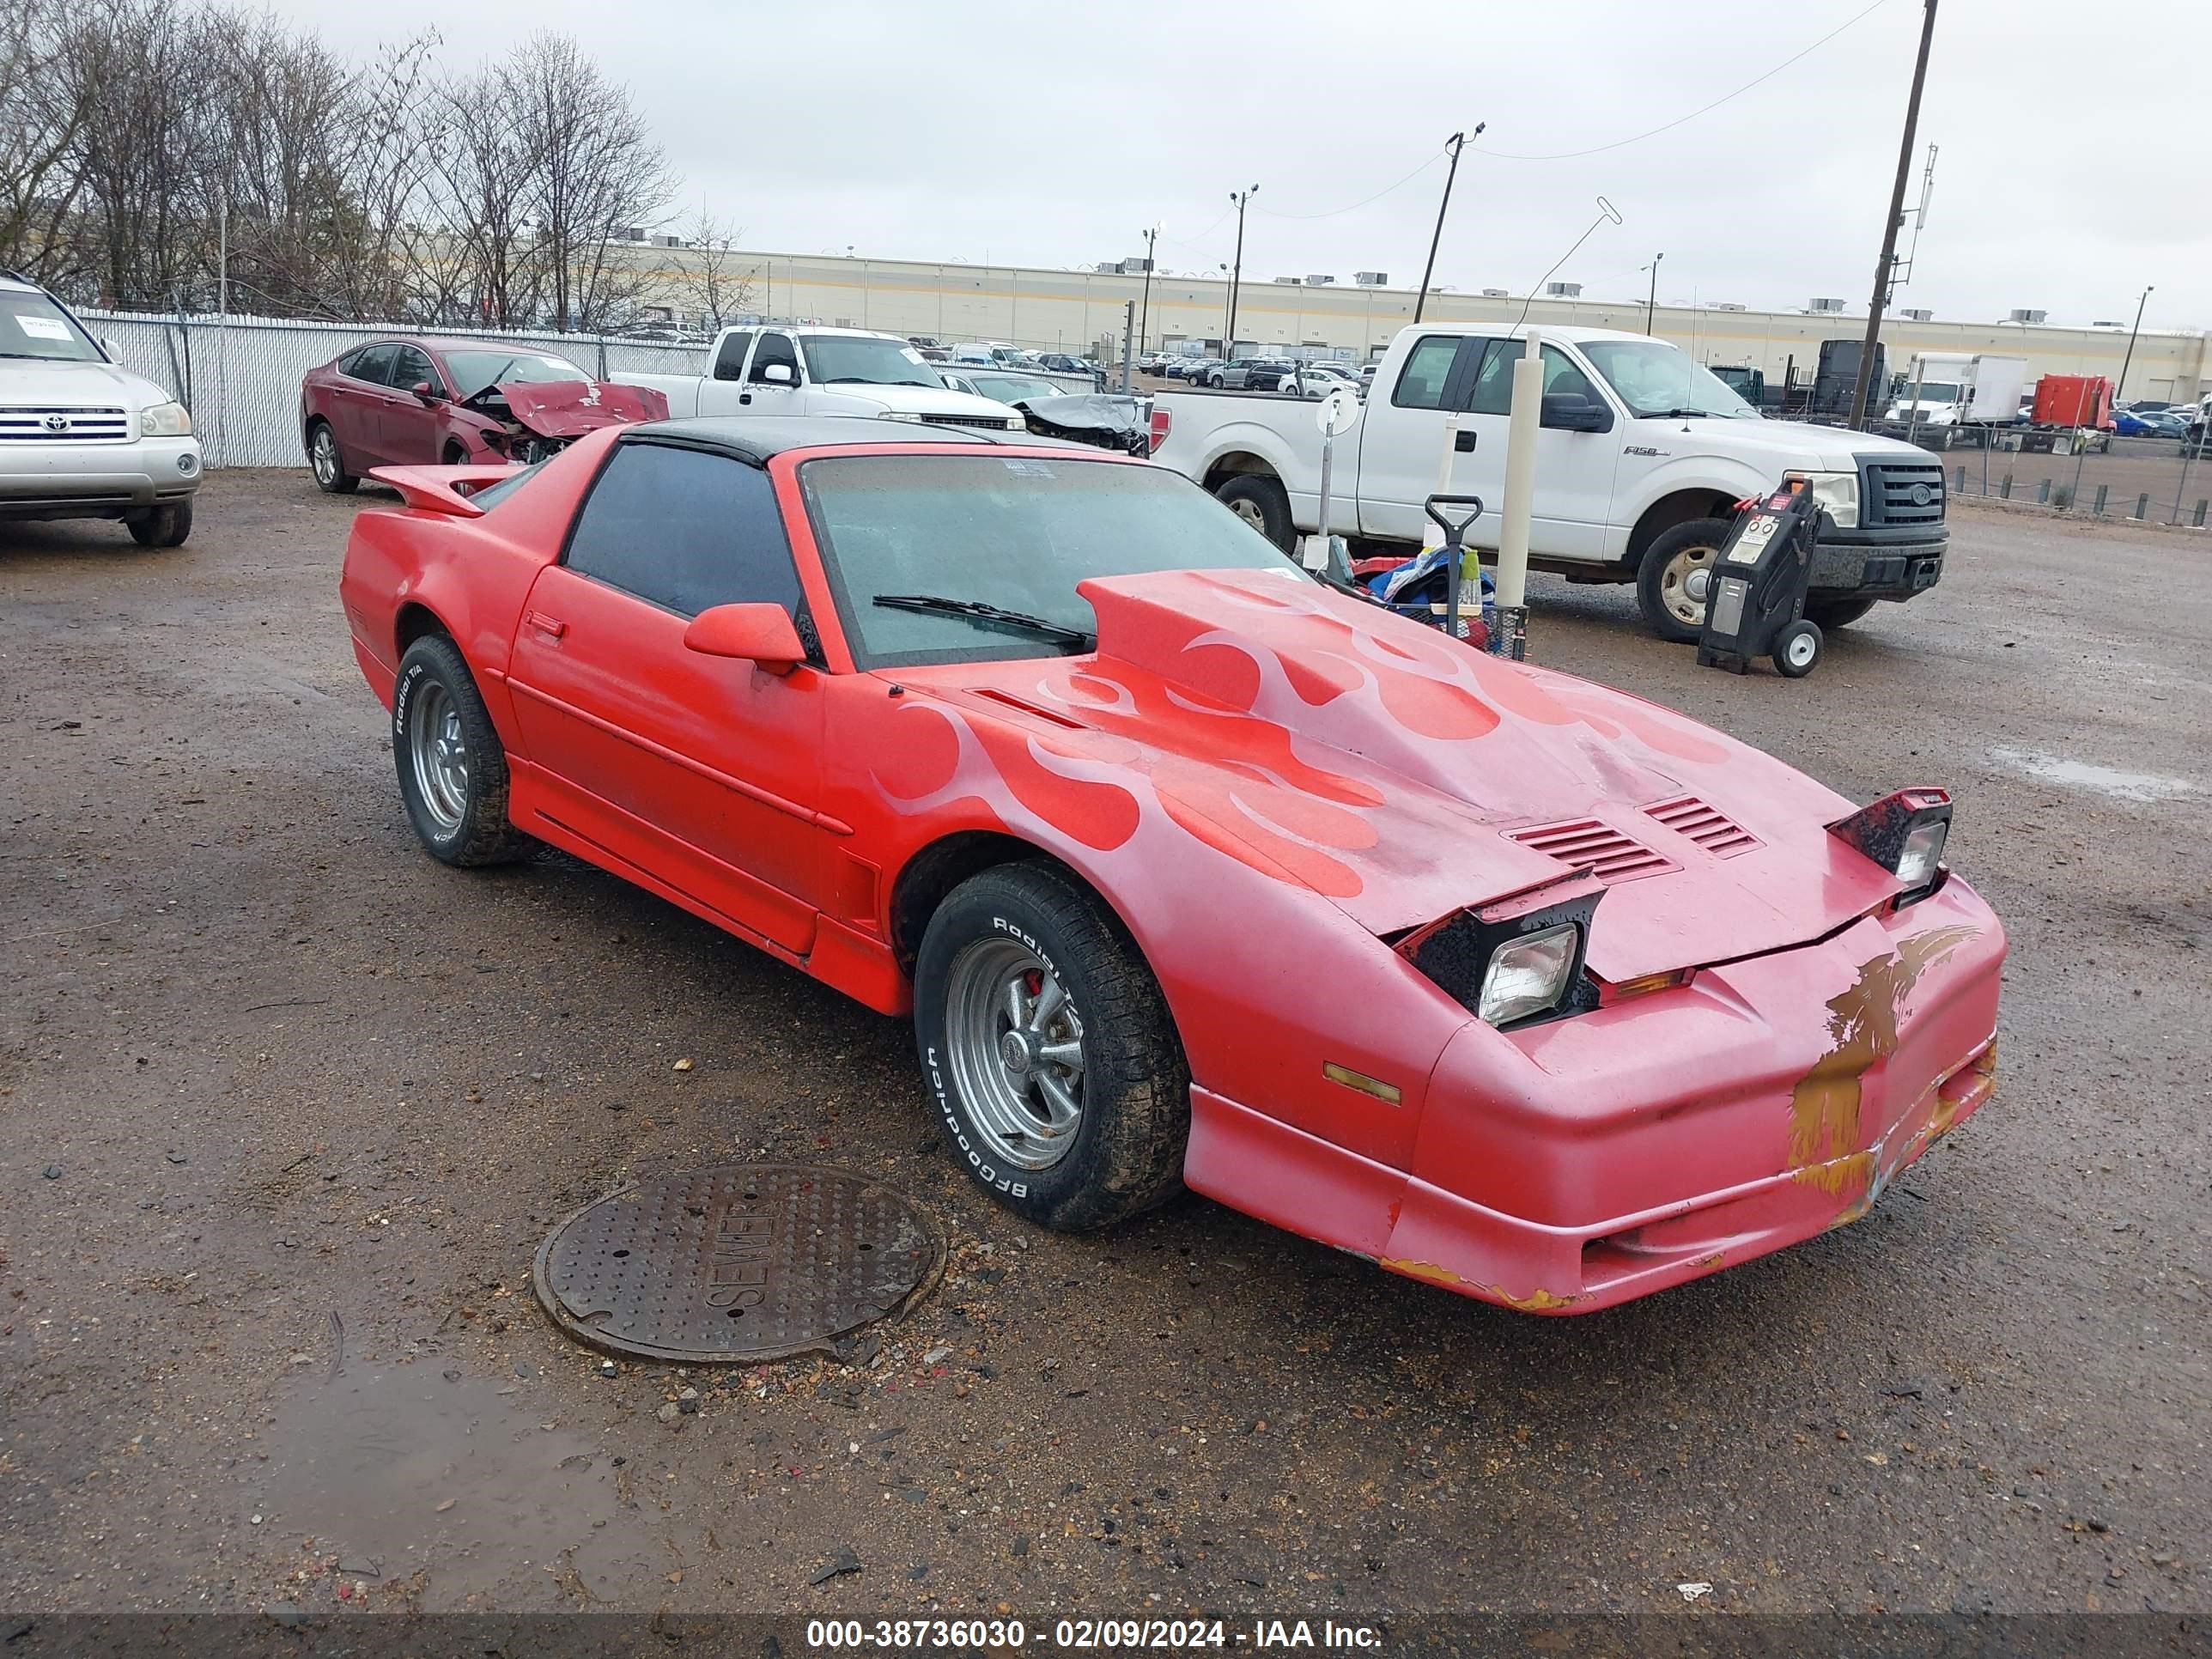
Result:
{"points": [[2073, 149]]}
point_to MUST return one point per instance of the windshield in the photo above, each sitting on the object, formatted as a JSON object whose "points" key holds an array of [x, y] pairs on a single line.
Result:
{"points": [[1934, 392], [1014, 531], [860, 358], [32, 325], [1655, 379], [475, 369], [1014, 388]]}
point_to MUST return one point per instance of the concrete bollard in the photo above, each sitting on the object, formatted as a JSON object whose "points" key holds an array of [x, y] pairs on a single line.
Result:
{"points": [[2098, 509], [2043, 494], [2004, 489], [2142, 505]]}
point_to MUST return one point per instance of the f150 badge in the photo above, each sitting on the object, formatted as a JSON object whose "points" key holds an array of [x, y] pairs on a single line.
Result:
{"points": [[1640, 449]]}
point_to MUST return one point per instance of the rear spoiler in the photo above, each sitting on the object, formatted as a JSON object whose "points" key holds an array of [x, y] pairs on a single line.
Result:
{"points": [[441, 488]]}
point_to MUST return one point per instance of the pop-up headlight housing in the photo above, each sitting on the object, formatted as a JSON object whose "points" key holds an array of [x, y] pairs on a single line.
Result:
{"points": [[1904, 833], [1516, 961]]}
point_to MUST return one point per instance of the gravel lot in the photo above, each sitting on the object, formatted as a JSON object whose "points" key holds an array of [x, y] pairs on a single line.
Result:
{"points": [[285, 1107]]}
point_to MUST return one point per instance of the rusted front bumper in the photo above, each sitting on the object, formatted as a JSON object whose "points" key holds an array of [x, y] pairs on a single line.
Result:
{"points": [[1572, 1165]]}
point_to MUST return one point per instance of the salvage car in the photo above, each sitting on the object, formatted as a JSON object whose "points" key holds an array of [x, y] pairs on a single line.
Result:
{"points": [[1189, 869], [417, 402]]}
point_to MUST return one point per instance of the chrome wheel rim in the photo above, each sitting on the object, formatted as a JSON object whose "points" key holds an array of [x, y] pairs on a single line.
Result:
{"points": [[1015, 1044], [1685, 585], [325, 456], [1249, 511], [440, 755]]}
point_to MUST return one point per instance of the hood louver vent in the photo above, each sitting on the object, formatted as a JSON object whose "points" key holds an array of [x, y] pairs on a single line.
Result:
{"points": [[1597, 848], [1688, 815]]}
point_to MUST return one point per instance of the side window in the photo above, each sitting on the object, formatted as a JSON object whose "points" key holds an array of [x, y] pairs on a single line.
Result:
{"points": [[730, 360], [1560, 374], [1492, 392], [684, 529], [411, 367], [774, 349], [1428, 370], [374, 364]]}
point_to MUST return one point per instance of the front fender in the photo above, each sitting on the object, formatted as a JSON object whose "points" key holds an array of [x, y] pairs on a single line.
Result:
{"points": [[1701, 474]]}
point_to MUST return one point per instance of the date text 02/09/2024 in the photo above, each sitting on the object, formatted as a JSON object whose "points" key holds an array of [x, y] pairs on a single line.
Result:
{"points": [[1168, 1634]]}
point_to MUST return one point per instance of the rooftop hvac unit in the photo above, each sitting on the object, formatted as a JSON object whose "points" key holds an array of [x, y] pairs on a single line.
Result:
{"points": [[1371, 279], [1819, 305], [1563, 290], [1289, 281], [668, 241], [1496, 293], [2108, 325], [1319, 281], [1728, 305], [1916, 314], [2027, 316], [1136, 267], [1108, 267]]}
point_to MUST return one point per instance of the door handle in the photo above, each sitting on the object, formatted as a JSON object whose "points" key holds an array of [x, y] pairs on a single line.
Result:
{"points": [[545, 624], [1463, 441], [745, 396]]}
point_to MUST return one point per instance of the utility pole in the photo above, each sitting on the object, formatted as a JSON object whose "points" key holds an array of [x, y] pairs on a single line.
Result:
{"points": [[2120, 385], [1144, 320], [1237, 271], [1652, 300], [1882, 266], [1458, 141]]}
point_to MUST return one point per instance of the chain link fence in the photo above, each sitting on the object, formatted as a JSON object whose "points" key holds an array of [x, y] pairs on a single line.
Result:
{"points": [[239, 376], [2158, 481]]}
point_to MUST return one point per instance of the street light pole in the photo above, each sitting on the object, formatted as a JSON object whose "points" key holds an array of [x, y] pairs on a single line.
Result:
{"points": [[1145, 319], [2120, 385], [1652, 300], [1458, 141], [1886, 263], [1237, 271]]}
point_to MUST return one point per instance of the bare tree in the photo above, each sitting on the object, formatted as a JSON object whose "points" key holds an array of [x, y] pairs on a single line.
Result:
{"points": [[488, 171], [707, 282], [42, 114], [597, 174]]}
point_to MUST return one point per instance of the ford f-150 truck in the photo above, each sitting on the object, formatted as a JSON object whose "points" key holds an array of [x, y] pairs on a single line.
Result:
{"points": [[824, 371], [81, 438], [1640, 457]]}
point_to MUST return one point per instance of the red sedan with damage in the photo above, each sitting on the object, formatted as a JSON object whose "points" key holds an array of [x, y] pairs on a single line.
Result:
{"points": [[1189, 869], [409, 403]]}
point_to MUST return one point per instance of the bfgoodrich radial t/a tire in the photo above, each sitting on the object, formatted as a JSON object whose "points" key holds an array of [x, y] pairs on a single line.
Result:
{"points": [[452, 767], [1048, 1049]]}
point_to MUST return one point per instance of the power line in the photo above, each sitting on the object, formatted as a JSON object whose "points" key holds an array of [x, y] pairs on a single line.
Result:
{"points": [[1356, 206], [1572, 154]]}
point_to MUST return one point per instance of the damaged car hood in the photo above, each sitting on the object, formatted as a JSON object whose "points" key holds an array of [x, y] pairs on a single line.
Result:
{"points": [[569, 409], [1366, 759]]}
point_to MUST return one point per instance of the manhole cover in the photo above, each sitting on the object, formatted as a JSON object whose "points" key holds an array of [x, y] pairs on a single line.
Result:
{"points": [[739, 1263]]}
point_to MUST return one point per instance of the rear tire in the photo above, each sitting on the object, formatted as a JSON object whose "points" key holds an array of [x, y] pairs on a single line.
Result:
{"points": [[1671, 582], [452, 765], [1832, 614], [1260, 502], [1030, 934], [165, 527], [327, 462]]}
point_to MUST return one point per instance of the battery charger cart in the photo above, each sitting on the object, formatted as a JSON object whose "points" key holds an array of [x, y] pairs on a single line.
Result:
{"points": [[1759, 586]]}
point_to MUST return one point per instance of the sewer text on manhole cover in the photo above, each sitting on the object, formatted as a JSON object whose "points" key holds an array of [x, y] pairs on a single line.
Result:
{"points": [[735, 1264]]}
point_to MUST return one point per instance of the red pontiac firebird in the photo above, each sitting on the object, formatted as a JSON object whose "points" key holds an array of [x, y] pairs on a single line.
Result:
{"points": [[1190, 870], [405, 403]]}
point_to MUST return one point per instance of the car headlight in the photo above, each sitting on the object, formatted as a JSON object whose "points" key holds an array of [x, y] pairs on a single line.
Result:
{"points": [[1905, 834], [1922, 854], [899, 414], [165, 421], [1837, 494], [1016, 423], [1529, 975]]}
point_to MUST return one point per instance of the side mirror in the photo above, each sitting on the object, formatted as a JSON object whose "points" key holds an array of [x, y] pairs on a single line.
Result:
{"points": [[764, 634], [1571, 411], [777, 373], [425, 391]]}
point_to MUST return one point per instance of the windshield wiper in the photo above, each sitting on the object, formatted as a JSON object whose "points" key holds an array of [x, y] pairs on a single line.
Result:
{"points": [[976, 609], [1683, 415]]}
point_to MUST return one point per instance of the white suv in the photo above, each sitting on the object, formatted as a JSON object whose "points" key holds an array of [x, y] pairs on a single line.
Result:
{"points": [[81, 438]]}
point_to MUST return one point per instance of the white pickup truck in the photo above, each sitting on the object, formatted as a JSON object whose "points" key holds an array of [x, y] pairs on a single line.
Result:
{"points": [[824, 371], [81, 438], [1640, 458]]}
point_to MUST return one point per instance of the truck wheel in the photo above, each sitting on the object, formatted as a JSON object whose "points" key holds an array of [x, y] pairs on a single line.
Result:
{"points": [[1798, 650], [165, 527], [1260, 502], [1832, 614], [329, 466], [1673, 584], [452, 767], [1044, 1039]]}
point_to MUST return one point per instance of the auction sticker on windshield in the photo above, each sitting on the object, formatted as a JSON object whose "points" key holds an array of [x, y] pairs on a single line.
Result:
{"points": [[43, 328], [1030, 469]]}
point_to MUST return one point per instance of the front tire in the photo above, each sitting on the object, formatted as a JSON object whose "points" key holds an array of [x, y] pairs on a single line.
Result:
{"points": [[1260, 502], [1049, 1049], [1673, 584], [327, 463], [1832, 614], [165, 527], [452, 765]]}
